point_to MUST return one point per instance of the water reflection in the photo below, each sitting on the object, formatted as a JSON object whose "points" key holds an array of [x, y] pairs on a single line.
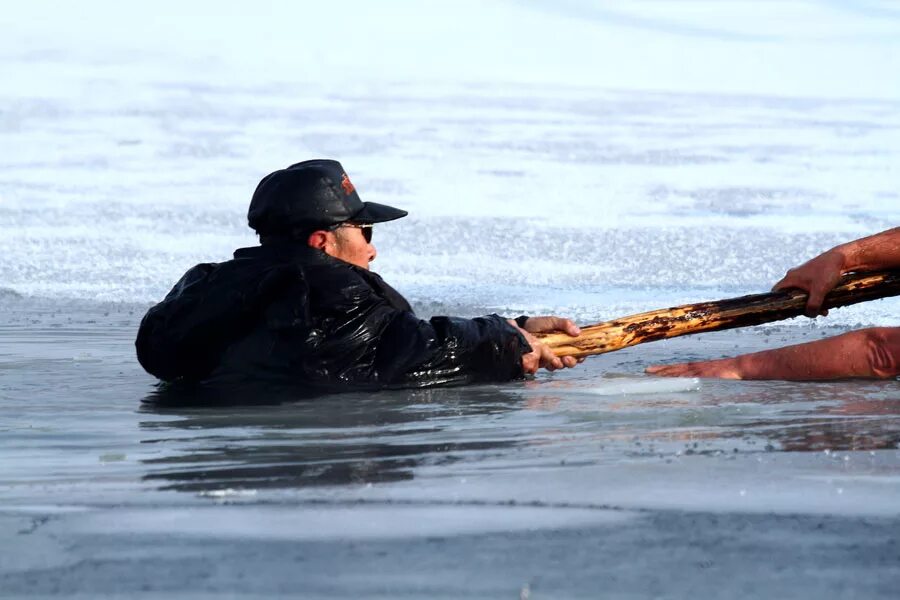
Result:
{"points": [[837, 416], [736, 417], [802, 417], [285, 442]]}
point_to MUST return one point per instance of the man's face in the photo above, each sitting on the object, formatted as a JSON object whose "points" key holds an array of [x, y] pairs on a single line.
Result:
{"points": [[349, 245]]}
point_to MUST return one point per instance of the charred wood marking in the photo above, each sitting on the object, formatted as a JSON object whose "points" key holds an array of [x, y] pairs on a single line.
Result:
{"points": [[730, 313]]}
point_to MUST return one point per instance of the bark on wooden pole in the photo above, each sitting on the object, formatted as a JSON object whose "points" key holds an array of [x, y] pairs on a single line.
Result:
{"points": [[714, 316]]}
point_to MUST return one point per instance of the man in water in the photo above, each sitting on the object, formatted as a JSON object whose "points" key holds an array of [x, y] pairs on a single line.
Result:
{"points": [[873, 352], [304, 308]]}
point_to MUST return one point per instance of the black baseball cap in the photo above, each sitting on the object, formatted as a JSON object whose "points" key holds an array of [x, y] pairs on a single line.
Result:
{"points": [[312, 194]]}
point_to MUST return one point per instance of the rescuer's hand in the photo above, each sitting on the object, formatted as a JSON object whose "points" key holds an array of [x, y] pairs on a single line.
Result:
{"points": [[816, 277]]}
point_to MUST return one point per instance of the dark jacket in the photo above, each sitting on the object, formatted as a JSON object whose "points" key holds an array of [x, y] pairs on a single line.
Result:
{"points": [[290, 313]]}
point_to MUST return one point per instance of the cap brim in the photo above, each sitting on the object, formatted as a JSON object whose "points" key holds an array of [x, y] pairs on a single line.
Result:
{"points": [[372, 212]]}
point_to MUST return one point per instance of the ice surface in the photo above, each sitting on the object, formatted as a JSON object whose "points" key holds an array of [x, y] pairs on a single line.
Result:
{"points": [[825, 48], [625, 386]]}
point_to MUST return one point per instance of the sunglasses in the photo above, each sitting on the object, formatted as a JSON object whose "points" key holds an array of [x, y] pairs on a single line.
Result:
{"points": [[366, 229]]}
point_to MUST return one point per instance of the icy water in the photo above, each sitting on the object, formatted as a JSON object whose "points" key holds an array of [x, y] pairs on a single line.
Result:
{"points": [[644, 158], [592, 482]]}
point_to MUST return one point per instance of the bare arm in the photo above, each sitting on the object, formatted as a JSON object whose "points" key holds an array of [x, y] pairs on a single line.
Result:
{"points": [[879, 251], [871, 353], [820, 274]]}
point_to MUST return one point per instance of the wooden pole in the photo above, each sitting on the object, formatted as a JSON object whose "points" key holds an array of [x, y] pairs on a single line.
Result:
{"points": [[714, 316]]}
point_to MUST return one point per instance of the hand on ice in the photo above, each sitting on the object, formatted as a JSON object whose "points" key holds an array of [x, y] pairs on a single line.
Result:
{"points": [[725, 368]]}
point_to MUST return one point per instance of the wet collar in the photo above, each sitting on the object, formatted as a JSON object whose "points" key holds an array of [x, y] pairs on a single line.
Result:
{"points": [[290, 251]]}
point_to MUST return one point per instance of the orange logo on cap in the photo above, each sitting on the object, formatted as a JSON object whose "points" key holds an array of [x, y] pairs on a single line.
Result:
{"points": [[347, 185]]}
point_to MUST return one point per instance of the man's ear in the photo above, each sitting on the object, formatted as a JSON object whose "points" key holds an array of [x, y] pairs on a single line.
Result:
{"points": [[318, 239]]}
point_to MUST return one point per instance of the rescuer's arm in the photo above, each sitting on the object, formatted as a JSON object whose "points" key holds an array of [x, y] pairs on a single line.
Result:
{"points": [[869, 353], [819, 275]]}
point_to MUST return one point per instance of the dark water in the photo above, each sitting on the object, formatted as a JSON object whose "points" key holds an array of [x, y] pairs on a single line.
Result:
{"points": [[568, 485]]}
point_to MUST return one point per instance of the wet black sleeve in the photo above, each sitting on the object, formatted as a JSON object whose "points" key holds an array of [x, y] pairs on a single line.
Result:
{"points": [[366, 339], [450, 350]]}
